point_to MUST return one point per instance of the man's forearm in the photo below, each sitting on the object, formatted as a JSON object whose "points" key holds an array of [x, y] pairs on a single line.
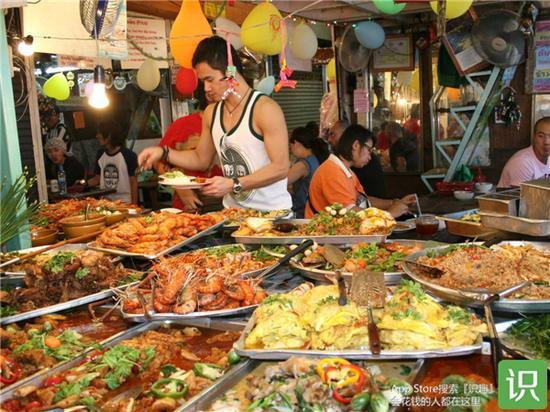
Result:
{"points": [[265, 176], [188, 159]]}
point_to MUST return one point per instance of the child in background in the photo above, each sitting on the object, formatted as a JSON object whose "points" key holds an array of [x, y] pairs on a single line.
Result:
{"points": [[115, 164]]}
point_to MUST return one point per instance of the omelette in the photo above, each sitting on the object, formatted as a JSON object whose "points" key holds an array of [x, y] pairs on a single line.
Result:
{"points": [[411, 320]]}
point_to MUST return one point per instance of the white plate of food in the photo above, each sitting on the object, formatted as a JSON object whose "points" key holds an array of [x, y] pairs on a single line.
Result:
{"points": [[179, 180], [405, 226]]}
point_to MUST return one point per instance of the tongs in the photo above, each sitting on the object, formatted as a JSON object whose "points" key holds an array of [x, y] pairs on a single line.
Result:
{"points": [[496, 347], [271, 270], [336, 257]]}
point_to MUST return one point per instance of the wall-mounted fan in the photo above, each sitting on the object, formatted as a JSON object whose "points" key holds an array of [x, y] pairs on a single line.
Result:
{"points": [[100, 14], [498, 38], [351, 54]]}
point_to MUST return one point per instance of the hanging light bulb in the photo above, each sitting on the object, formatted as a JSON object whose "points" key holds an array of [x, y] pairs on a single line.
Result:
{"points": [[25, 46], [98, 97]]}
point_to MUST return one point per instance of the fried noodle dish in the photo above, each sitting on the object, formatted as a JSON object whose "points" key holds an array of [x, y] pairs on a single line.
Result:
{"points": [[495, 268], [204, 280], [154, 233]]}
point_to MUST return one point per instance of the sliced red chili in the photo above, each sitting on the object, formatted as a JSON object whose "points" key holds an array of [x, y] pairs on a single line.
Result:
{"points": [[53, 380], [341, 398], [9, 370]]}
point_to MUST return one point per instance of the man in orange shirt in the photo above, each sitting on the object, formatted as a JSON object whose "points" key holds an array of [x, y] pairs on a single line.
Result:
{"points": [[335, 182]]}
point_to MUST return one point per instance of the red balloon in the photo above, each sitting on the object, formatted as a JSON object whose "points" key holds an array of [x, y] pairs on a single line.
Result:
{"points": [[186, 81]]}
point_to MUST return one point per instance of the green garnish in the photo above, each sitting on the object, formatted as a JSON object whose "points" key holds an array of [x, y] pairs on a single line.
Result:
{"points": [[148, 219], [409, 313], [535, 332], [69, 389], [167, 370], [120, 359], [58, 262], [7, 310], [327, 299], [413, 288], [260, 254], [132, 277], [172, 175], [81, 273], [277, 299], [71, 344], [458, 315], [223, 250]]}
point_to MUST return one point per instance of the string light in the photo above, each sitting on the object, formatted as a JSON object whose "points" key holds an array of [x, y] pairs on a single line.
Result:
{"points": [[98, 97], [25, 46]]}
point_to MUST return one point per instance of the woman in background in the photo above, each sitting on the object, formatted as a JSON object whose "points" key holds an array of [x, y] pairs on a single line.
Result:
{"points": [[311, 151]]}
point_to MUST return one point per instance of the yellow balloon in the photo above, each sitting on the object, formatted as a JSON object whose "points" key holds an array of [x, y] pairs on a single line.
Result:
{"points": [[454, 8], [187, 31], [57, 87], [415, 82], [261, 30], [148, 75], [375, 102], [331, 69]]}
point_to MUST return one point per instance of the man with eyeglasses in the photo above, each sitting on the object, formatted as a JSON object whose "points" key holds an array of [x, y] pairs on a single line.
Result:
{"points": [[532, 162], [245, 128]]}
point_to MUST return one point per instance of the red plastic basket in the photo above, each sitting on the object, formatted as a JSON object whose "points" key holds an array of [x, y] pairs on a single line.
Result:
{"points": [[447, 188]]}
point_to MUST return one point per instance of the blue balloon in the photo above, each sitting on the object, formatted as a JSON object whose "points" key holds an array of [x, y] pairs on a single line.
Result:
{"points": [[370, 34]]}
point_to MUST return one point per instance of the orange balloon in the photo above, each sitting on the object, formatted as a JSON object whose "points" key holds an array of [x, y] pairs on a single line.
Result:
{"points": [[187, 31]]}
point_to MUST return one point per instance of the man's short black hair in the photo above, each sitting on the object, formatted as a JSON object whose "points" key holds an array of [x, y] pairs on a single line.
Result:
{"points": [[112, 131], [213, 51], [353, 133], [545, 119]]}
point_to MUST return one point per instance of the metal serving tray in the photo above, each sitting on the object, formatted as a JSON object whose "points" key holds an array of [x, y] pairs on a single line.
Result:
{"points": [[523, 225], [456, 226], [39, 378], [79, 355], [286, 240], [461, 297], [322, 275], [211, 229], [194, 315], [204, 402], [512, 346], [18, 282], [359, 353], [69, 247], [204, 314]]}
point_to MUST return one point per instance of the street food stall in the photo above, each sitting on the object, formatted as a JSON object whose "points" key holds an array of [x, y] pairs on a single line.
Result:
{"points": [[111, 305]]}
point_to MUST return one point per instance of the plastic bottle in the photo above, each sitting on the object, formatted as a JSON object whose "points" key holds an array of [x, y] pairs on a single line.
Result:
{"points": [[62, 180]]}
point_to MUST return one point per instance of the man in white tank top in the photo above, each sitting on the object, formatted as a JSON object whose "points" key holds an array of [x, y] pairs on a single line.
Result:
{"points": [[246, 129]]}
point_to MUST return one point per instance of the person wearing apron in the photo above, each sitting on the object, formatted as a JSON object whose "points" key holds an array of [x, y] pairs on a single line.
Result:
{"points": [[246, 129]]}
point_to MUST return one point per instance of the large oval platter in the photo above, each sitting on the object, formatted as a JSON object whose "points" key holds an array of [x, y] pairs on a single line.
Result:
{"points": [[463, 297]]}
